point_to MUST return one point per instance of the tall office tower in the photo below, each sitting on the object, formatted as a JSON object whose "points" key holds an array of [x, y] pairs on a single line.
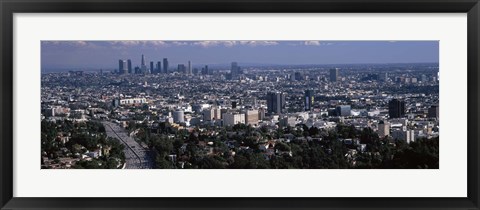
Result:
{"points": [[138, 70], [208, 114], [152, 69], [181, 68], [309, 99], [122, 67], [143, 65], [396, 108], [178, 116], [383, 129], [344, 110], [433, 111], [275, 102], [298, 76], [334, 74], [234, 68], [159, 67], [189, 70], [209, 71], [165, 65], [129, 64], [251, 117]]}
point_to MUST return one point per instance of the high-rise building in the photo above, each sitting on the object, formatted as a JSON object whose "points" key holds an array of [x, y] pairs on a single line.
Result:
{"points": [[152, 69], [344, 110], [251, 117], [181, 68], [159, 67], [217, 114], [189, 70], [234, 68], [298, 76], [275, 102], [209, 71], [178, 116], [383, 129], [122, 66], [165, 65], [396, 108], [433, 111], [309, 99], [143, 65], [129, 64], [261, 113], [334, 74], [230, 119], [404, 135], [208, 114]]}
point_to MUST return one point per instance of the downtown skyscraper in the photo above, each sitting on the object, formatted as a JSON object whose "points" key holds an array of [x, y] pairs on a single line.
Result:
{"points": [[159, 67], [308, 99], [275, 102], [122, 67], [129, 66], [396, 108], [143, 65], [334, 74], [165, 65]]}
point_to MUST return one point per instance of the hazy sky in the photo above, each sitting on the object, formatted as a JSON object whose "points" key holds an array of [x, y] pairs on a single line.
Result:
{"points": [[105, 54]]}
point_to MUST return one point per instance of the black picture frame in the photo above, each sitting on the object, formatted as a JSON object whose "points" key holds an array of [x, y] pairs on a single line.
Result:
{"points": [[10, 7]]}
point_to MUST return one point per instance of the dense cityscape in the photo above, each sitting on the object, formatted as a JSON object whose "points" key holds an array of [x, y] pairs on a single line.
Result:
{"points": [[194, 116]]}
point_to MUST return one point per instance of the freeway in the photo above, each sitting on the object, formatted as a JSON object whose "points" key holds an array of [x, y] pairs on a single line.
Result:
{"points": [[136, 156]]}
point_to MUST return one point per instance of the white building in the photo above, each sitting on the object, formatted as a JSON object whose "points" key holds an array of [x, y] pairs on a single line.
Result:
{"points": [[230, 119], [251, 117], [383, 129], [133, 101]]}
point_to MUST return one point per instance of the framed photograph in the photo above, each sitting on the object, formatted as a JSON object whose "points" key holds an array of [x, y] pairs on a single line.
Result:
{"points": [[239, 105]]}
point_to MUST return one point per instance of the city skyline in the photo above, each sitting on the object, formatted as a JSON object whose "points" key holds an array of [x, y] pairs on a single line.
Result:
{"points": [[67, 55], [172, 109]]}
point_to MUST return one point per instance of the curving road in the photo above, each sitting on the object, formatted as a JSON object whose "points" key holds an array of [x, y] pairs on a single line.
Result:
{"points": [[136, 156]]}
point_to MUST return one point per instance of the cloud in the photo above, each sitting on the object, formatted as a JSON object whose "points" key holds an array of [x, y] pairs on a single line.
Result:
{"points": [[258, 43], [131, 43], [65, 43], [176, 43], [213, 43], [317, 43], [312, 43], [125, 44], [70, 45], [233, 43]]}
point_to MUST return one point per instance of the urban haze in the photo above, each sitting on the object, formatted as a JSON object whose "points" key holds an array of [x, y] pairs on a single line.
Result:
{"points": [[240, 104]]}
